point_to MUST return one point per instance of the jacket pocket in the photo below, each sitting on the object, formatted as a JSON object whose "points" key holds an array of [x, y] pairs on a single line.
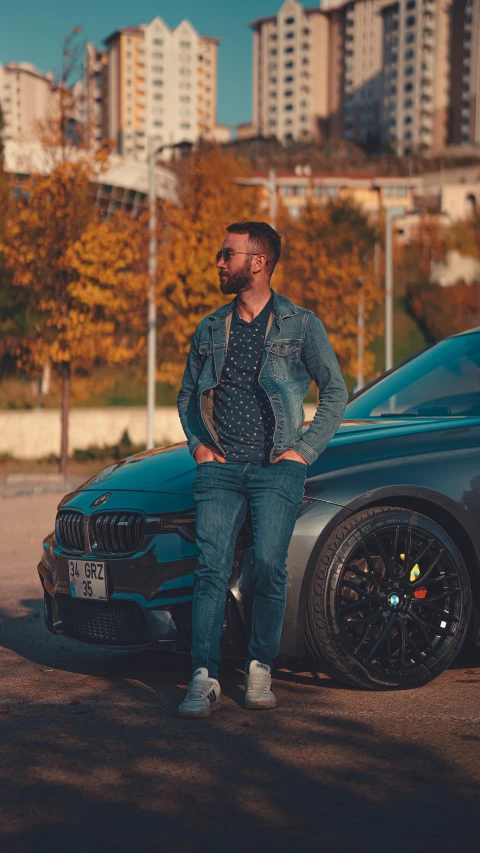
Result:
{"points": [[283, 358], [206, 356]]}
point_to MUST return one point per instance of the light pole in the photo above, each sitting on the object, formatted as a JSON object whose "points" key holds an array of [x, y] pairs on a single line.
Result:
{"points": [[152, 287], [390, 215], [361, 336], [270, 185], [152, 151]]}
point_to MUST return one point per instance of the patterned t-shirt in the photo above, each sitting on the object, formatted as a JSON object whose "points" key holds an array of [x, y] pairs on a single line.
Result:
{"points": [[243, 415]]}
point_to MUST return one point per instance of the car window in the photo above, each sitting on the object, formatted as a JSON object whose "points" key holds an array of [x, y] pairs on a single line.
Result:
{"points": [[442, 381]]}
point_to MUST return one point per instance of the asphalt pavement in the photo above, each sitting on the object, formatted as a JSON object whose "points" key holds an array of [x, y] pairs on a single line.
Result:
{"points": [[93, 757]]}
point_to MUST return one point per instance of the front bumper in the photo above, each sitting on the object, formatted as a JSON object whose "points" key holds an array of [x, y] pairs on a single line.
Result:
{"points": [[149, 602]]}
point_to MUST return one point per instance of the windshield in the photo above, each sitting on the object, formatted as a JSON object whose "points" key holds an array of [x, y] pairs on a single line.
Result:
{"points": [[444, 380]]}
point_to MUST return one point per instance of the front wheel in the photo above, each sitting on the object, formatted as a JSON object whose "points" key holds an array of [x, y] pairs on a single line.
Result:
{"points": [[390, 600]]}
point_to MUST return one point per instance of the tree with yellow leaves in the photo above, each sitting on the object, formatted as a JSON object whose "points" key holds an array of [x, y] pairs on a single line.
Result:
{"points": [[326, 266], [77, 276], [190, 234], [88, 290]]}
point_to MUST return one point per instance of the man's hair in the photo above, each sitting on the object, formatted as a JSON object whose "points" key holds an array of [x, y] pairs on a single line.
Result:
{"points": [[262, 238]]}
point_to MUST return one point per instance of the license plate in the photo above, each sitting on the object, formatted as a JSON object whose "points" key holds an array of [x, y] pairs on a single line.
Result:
{"points": [[87, 579]]}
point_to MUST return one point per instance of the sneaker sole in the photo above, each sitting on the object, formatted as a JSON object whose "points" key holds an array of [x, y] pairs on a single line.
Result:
{"points": [[251, 705], [199, 715]]}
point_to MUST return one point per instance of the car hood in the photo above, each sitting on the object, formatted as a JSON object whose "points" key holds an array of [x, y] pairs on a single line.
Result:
{"points": [[171, 470]]}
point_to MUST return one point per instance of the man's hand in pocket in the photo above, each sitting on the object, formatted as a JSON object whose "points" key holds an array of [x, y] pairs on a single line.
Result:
{"points": [[207, 453]]}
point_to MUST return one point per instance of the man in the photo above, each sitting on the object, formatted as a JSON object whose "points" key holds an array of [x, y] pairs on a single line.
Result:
{"points": [[250, 365]]}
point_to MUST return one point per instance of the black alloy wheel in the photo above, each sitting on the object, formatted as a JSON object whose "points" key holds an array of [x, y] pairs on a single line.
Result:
{"points": [[390, 600]]}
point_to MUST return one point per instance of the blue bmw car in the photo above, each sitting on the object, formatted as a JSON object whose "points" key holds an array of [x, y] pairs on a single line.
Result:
{"points": [[384, 563]]}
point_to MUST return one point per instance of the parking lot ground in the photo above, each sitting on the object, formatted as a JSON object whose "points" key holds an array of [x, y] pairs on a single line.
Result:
{"points": [[94, 758]]}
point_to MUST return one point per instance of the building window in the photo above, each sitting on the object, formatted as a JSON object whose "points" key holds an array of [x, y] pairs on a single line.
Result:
{"points": [[185, 44], [157, 69], [273, 51], [408, 104], [409, 54], [158, 82], [290, 35], [157, 97], [288, 93], [290, 21], [158, 123], [185, 125], [289, 50], [288, 107], [289, 64], [288, 79], [158, 41]]}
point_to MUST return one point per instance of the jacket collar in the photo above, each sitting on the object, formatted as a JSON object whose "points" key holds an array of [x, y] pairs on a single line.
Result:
{"points": [[282, 307]]}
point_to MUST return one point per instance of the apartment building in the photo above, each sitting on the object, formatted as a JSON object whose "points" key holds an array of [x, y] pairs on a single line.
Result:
{"points": [[27, 96], [162, 83], [291, 73], [417, 74], [465, 111], [404, 73]]}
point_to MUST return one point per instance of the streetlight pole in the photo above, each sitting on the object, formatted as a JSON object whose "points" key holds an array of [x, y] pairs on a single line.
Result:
{"points": [[152, 152], [152, 300], [361, 337], [388, 290], [270, 184], [272, 196]]}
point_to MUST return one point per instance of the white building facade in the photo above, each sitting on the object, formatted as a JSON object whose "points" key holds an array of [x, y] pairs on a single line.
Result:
{"points": [[27, 96], [162, 83]]}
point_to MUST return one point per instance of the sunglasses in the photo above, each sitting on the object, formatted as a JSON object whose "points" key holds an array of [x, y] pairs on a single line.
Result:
{"points": [[227, 254]]}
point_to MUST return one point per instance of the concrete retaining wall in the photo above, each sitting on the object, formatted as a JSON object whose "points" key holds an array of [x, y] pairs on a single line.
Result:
{"points": [[35, 433]]}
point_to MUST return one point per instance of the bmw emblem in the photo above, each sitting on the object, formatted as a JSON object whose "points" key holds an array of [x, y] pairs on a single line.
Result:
{"points": [[394, 599], [101, 500]]}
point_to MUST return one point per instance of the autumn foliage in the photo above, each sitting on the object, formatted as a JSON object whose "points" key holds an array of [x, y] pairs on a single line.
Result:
{"points": [[438, 310], [327, 266], [191, 232]]}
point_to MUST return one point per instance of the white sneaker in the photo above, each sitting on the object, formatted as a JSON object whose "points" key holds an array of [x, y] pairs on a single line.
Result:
{"points": [[203, 696], [258, 682]]}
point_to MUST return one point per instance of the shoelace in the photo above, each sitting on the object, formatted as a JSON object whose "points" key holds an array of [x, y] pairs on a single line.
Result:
{"points": [[259, 681], [198, 690]]}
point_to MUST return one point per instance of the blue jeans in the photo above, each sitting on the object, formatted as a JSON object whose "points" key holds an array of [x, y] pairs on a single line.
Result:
{"points": [[222, 494]]}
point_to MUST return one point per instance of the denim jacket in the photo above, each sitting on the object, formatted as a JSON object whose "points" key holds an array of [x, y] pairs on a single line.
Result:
{"points": [[296, 350]]}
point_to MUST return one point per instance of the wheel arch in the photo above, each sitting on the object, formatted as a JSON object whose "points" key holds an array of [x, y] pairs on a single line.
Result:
{"points": [[440, 508]]}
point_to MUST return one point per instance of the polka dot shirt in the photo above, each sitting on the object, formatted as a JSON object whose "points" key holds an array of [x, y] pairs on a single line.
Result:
{"points": [[243, 415]]}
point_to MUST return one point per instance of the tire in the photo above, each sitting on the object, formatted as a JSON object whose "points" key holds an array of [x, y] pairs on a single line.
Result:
{"points": [[390, 601]]}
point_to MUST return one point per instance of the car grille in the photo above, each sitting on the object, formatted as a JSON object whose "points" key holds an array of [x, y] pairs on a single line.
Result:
{"points": [[112, 623], [115, 532], [70, 531]]}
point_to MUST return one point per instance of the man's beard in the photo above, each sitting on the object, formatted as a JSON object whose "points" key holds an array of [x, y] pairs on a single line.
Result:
{"points": [[237, 281]]}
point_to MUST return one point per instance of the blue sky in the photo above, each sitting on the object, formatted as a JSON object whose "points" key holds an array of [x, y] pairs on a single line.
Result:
{"points": [[32, 30]]}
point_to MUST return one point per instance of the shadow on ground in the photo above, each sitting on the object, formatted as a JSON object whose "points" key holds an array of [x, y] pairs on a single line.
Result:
{"points": [[93, 758]]}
